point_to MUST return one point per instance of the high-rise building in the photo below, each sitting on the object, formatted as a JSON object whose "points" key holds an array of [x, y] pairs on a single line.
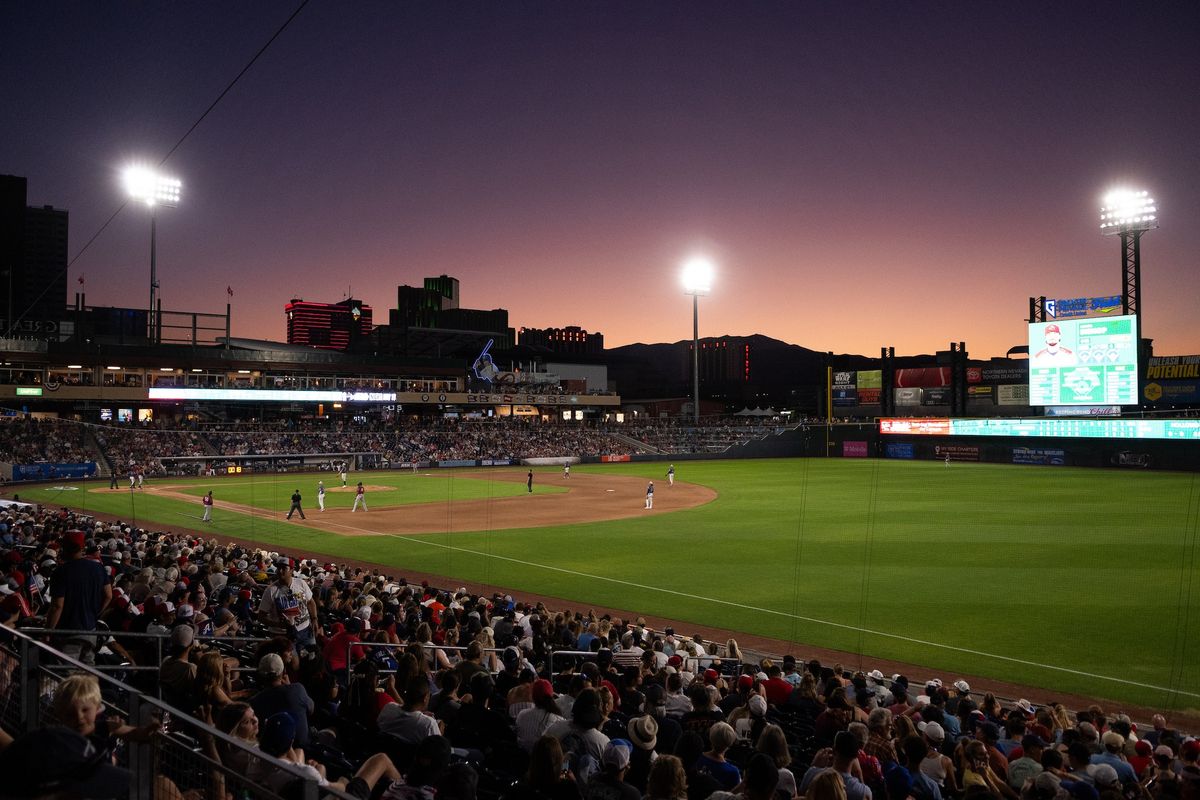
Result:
{"points": [[569, 340], [429, 319], [329, 326], [33, 263]]}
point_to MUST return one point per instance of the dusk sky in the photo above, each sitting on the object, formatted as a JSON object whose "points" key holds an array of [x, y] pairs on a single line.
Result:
{"points": [[903, 174]]}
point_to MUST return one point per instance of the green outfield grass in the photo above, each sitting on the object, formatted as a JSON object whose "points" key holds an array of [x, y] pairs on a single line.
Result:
{"points": [[1070, 579]]}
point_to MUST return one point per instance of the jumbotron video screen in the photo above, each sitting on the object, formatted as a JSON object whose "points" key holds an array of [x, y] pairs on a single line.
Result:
{"points": [[1083, 362]]}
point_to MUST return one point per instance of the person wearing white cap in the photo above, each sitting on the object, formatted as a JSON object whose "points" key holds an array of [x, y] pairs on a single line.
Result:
{"points": [[934, 765]]}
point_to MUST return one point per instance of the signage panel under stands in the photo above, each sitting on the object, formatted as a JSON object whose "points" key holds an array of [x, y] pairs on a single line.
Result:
{"points": [[410, 398], [1093, 428]]}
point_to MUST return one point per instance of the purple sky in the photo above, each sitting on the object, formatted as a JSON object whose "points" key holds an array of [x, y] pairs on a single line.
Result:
{"points": [[863, 174]]}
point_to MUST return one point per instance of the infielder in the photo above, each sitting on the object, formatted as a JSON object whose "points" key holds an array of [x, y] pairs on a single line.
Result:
{"points": [[207, 501], [321, 495], [650, 495], [566, 470], [360, 496], [671, 475], [343, 472]]}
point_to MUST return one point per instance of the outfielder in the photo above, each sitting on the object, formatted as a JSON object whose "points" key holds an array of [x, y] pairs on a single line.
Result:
{"points": [[671, 475]]}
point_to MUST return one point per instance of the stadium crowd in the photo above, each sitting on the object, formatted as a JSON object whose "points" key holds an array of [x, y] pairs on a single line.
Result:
{"points": [[144, 445], [390, 689]]}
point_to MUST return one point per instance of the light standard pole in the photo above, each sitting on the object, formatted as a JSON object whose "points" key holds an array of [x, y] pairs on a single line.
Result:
{"points": [[1129, 214], [697, 281], [153, 189]]}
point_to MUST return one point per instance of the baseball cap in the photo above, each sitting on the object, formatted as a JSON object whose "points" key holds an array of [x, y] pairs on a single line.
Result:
{"points": [[1031, 740], [542, 690], [1190, 749], [933, 731], [278, 733], [962, 687], [270, 664], [1164, 750], [58, 760], [745, 682], [757, 705], [183, 635], [1053, 329], [1104, 775], [617, 751]]}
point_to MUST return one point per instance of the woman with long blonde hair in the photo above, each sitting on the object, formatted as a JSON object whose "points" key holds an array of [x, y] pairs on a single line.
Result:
{"points": [[487, 643], [213, 685], [827, 785], [667, 780]]}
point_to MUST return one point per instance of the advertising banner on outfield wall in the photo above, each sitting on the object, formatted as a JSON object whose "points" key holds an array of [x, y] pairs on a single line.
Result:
{"points": [[1038, 455], [843, 389], [936, 396], [908, 397], [1013, 374], [923, 376], [869, 397], [957, 452], [1172, 368], [870, 379], [613, 458], [854, 449], [1172, 392], [981, 394], [1016, 394], [900, 450]]}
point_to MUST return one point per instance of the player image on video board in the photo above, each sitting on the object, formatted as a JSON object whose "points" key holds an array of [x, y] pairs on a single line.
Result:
{"points": [[1083, 362]]}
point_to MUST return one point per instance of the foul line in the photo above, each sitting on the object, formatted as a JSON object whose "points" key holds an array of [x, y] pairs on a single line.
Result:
{"points": [[910, 639]]}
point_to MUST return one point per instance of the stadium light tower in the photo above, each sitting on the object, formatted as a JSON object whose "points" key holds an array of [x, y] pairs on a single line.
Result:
{"points": [[1128, 214], [697, 280], [154, 189]]}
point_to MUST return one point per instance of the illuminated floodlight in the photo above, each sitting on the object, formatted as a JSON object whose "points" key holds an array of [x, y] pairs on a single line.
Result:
{"points": [[146, 185], [1126, 210], [698, 275]]}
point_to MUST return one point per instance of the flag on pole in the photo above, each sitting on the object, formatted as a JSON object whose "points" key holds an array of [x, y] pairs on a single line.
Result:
{"points": [[229, 290], [81, 279]]}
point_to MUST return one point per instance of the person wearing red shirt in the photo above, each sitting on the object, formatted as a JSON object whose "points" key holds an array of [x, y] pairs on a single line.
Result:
{"points": [[778, 690]]}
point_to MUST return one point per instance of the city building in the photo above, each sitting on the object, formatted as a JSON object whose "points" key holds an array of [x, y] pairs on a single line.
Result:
{"points": [[329, 326], [571, 340], [33, 263]]}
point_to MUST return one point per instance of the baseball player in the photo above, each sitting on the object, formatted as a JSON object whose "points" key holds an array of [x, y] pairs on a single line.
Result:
{"points": [[650, 495], [112, 483], [360, 496], [207, 501], [529, 481], [321, 495], [343, 472], [141, 477], [566, 471], [671, 475]]}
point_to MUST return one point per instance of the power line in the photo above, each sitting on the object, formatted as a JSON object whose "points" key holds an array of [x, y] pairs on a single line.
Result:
{"points": [[171, 152]]}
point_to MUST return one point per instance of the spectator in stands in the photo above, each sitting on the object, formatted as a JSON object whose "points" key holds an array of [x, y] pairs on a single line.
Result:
{"points": [[584, 725], [934, 765], [429, 765], [546, 778], [287, 604], [478, 726], [703, 715], [828, 784], [762, 778], [1114, 746], [79, 592], [177, 673], [712, 762], [608, 783], [214, 683], [643, 736], [239, 721], [280, 694], [774, 744], [978, 771], [845, 750], [1029, 764], [59, 762], [278, 739], [532, 723], [410, 723], [667, 780]]}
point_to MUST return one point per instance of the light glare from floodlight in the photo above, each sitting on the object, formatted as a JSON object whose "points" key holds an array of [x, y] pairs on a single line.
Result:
{"points": [[698, 275], [1127, 210], [151, 188]]}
